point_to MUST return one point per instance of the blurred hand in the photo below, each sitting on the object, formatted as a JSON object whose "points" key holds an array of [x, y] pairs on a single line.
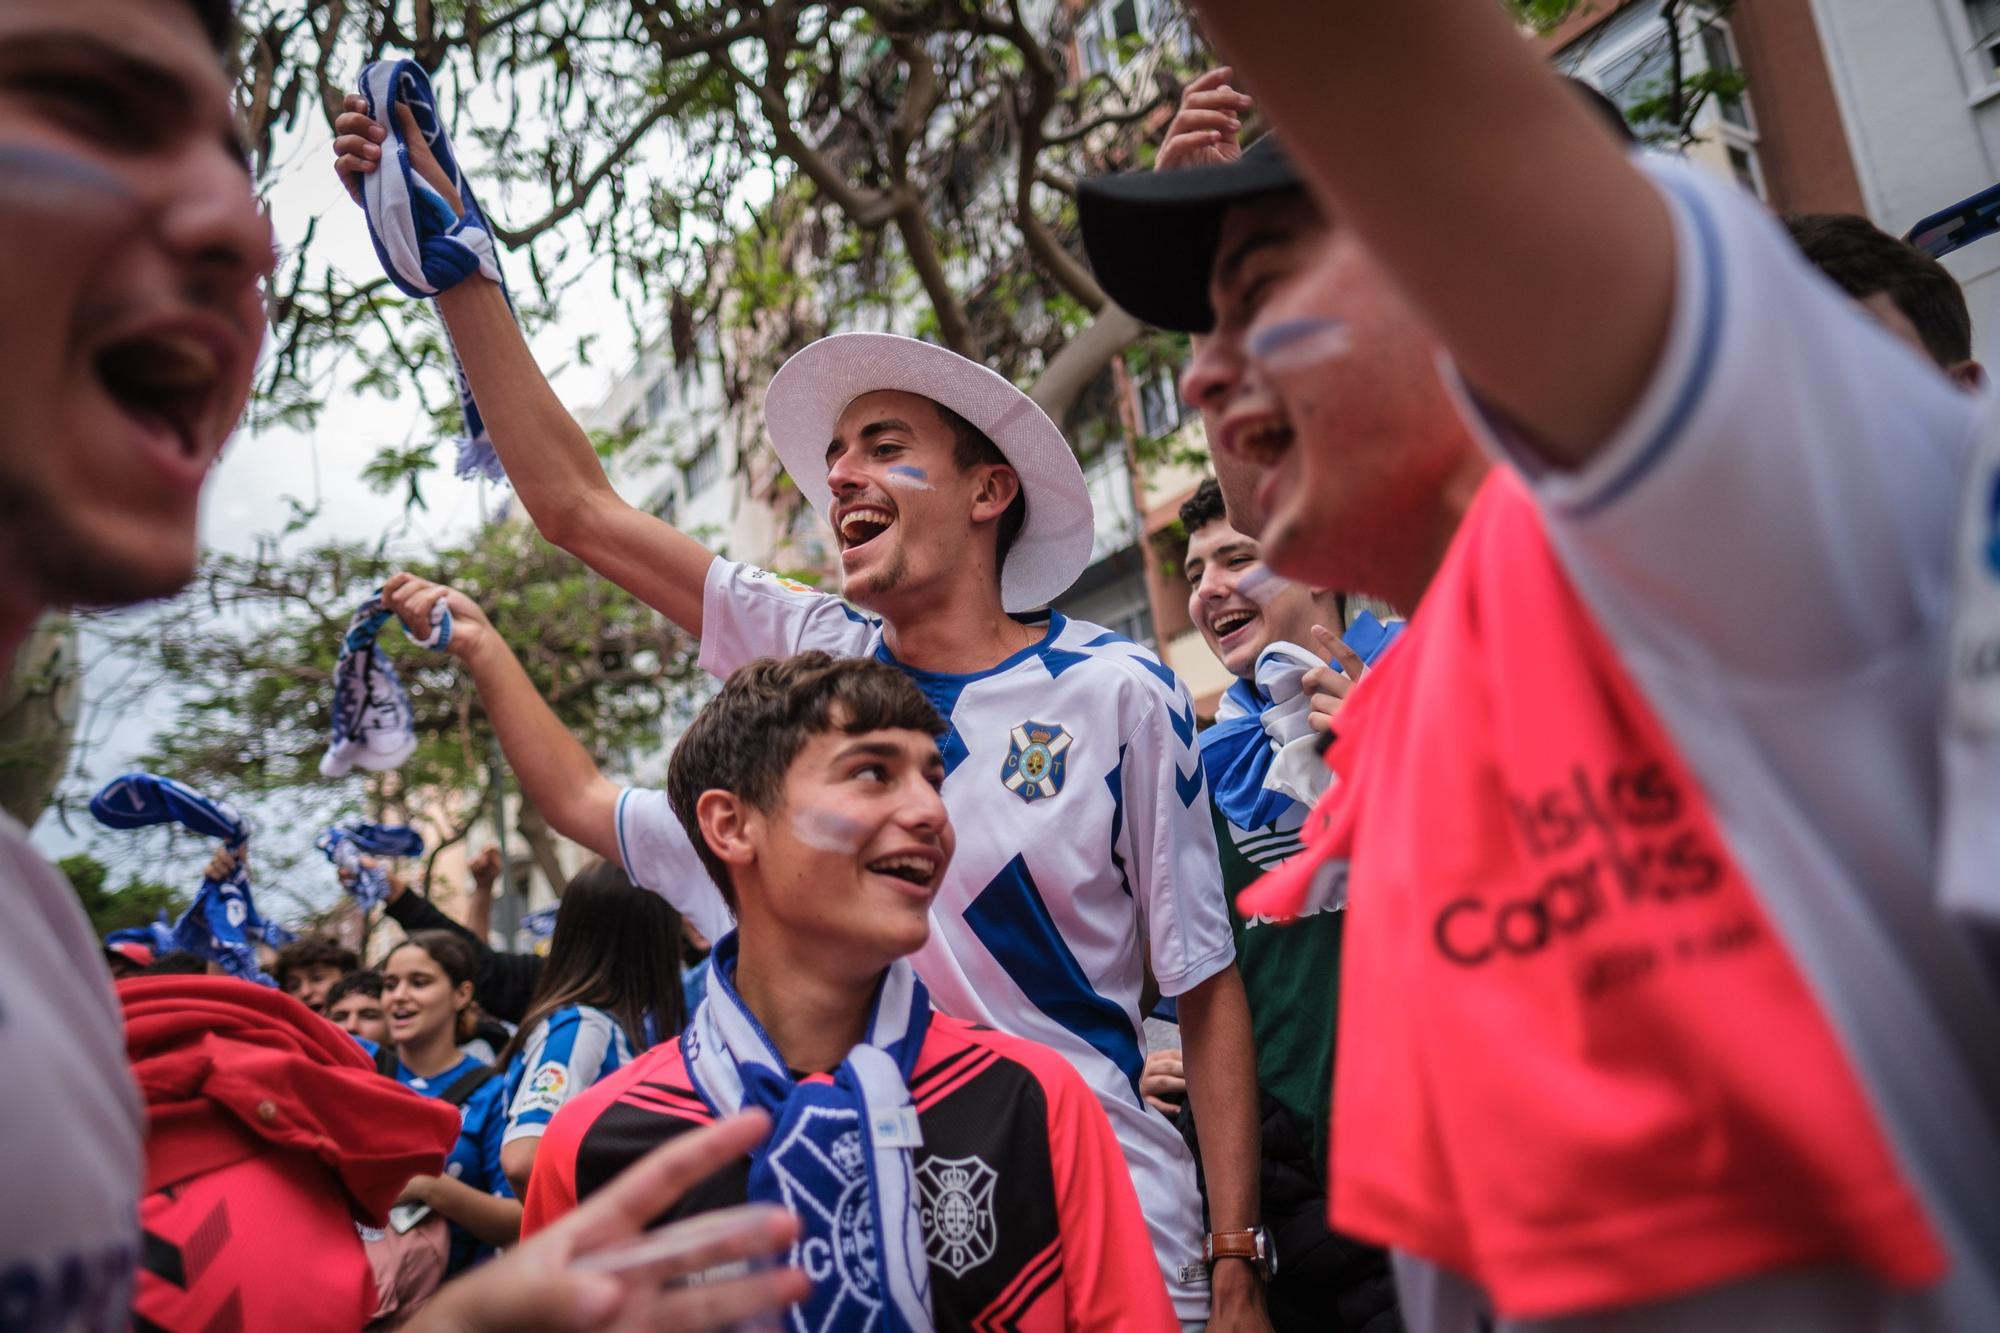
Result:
{"points": [[412, 598], [223, 864], [536, 1285], [1203, 132], [357, 150], [1163, 1082], [1327, 687], [485, 868]]}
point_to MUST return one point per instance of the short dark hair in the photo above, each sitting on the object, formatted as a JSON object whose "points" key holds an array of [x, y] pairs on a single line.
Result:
{"points": [[1203, 507], [179, 963], [971, 448], [365, 982], [745, 739], [1608, 113], [313, 951], [1863, 261]]}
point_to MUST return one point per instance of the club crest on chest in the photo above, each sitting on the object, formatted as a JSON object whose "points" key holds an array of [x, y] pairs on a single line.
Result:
{"points": [[1036, 760]]}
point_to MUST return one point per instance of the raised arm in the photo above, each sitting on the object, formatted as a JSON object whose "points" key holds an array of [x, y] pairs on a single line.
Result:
{"points": [[556, 773], [549, 458], [1539, 254]]}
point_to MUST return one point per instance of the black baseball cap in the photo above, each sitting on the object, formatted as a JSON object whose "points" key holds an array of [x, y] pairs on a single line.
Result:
{"points": [[1151, 235]]}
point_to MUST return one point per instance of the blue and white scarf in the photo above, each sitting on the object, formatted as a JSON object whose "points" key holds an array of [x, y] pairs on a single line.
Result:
{"points": [[346, 844], [424, 246], [840, 1153], [373, 727], [222, 924], [1262, 755], [542, 924]]}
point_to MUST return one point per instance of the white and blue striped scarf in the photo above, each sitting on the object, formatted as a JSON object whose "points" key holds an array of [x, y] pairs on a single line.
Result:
{"points": [[222, 924], [372, 726], [840, 1153], [424, 246], [346, 843]]}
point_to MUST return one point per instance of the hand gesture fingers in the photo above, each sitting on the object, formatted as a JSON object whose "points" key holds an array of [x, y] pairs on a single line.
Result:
{"points": [[357, 144], [1204, 129]]}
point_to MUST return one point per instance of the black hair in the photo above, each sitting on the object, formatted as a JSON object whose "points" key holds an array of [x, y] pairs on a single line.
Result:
{"points": [[1608, 111], [367, 982], [1864, 261], [313, 951], [744, 739], [1203, 507], [616, 947], [971, 448], [179, 963]]}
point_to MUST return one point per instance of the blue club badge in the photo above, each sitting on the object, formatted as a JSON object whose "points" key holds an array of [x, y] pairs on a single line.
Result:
{"points": [[1035, 761]]}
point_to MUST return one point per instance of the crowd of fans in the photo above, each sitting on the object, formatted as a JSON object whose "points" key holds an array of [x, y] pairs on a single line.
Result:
{"points": [[1603, 937]]}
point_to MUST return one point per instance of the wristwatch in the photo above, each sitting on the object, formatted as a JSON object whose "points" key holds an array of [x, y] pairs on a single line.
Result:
{"points": [[1252, 1246]]}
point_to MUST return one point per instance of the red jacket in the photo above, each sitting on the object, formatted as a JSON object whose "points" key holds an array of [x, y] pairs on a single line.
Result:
{"points": [[268, 1134]]}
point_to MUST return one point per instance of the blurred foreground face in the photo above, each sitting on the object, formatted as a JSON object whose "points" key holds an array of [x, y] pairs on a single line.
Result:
{"points": [[133, 251], [1345, 430], [310, 984]]}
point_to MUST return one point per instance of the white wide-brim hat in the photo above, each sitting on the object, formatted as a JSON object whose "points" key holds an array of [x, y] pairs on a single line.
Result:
{"points": [[814, 387]]}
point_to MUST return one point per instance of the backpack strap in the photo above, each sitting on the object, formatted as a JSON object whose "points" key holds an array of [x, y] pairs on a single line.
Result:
{"points": [[462, 1087], [385, 1060]]}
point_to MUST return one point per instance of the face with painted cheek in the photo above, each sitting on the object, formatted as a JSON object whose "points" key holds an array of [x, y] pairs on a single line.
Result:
{"points": [[138, 246], [1354, 438], [1238, 605], [361, 1014], [854, 853], [903, 513]]}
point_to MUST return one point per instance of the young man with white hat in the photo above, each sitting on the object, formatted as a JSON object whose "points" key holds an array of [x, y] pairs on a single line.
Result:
{"points": [[1085, 852]]}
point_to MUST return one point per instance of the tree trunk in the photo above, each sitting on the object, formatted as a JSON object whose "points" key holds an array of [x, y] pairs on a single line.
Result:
{"points": [[542, 845], [1082, 360]]}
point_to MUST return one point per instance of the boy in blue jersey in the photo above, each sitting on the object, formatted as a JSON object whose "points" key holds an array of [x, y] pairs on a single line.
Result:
{"points": [[1086, 851]]}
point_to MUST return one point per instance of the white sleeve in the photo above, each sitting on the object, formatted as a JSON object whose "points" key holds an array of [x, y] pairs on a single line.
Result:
{"points": [[654, 846], [1779, 502], [748, 613], [1167, 841], [559, 1060]]}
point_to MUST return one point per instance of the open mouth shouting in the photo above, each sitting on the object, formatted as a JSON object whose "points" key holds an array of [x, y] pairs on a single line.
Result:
{"points": [[1262, 440], [861, 523], [1233, 625], [168, 379]]}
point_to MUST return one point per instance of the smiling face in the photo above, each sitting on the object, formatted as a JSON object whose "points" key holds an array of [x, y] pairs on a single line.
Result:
{"points": [[845, 865], [904, 512], [419, 998], [1357, 438], [361, 1014], [137, 246], [1235, 627]]}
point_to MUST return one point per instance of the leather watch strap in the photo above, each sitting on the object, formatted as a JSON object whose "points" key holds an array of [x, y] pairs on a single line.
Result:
{"points": [[1233, 1245]]}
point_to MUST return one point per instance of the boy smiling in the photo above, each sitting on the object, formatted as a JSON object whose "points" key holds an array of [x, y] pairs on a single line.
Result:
{"points": [[810, 788]]}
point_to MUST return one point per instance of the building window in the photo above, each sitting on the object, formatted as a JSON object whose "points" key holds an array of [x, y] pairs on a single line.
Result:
{"points": [[1159, 404], [700, 471], [1630, 57], [656, 399], [1112, 22], [666, 506], [1983, 17]]}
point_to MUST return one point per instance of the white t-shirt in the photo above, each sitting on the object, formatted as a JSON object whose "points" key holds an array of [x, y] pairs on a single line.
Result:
{"points": [[1768, 541], [72, 1156], [1081, 809]]}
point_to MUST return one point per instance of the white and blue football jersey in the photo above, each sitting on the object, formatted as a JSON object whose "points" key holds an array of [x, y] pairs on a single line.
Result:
{"points": [[1085, 850], [568, 1051]]}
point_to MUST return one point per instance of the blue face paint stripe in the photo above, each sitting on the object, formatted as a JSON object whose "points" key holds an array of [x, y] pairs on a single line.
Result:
{"points": [[1012, 921]]}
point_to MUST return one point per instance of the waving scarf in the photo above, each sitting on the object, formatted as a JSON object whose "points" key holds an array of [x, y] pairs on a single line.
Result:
{"points": [[222, 924], [424, 246], [373, 727], [1262, 754], [346, 843], [839, 1154]]}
